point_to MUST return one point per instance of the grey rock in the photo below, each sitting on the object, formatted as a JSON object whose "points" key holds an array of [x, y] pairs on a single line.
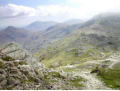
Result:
{"points": [[3, 83], [12, 82], [37, 80], [18, 53], [2, 71], [2, 77]]}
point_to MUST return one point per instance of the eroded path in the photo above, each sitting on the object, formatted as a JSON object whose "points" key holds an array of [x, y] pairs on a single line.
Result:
{"points": [[91, 81]]}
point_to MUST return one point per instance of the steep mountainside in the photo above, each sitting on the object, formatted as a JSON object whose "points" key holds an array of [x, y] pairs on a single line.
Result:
{"points": [[40, 26], [73, 21], [54, 33], [11, 34], [94, 36], [34, 41], [104, 24]]}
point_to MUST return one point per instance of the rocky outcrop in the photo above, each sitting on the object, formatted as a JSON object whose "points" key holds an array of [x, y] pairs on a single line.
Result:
{"points": [[19, 70], [15, 51]]}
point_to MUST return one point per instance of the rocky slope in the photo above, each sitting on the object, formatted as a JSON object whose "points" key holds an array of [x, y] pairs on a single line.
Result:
{"points": [[19, 70]]}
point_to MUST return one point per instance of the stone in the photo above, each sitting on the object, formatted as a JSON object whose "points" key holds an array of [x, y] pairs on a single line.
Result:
{"points": [[37, 80], [9, 64], [3, 83], [102, 54], [16, 62], [11, 81], [2, 77], [56, 64], [2, 71], [27, 70], [14, 70]]}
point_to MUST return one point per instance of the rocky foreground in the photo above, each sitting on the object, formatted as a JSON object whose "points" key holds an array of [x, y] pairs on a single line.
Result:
{"points": [[19, 70]]}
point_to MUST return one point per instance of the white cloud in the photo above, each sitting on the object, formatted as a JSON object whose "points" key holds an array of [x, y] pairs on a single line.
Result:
{"points": [[57, 12], [12, 11], [89, 8], [83, 9], [62, 12], [97, 5], [45, 12]]}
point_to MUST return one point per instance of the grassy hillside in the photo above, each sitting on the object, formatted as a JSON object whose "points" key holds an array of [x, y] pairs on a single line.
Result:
{"points": [[96, 39], [111, 77], [76, 48]]}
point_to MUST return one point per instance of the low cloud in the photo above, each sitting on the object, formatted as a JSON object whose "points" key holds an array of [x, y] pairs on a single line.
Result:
{"points": [[97, 5], [18, 14], [12, 11], [46, 11], [82, 9], [56, 12]]}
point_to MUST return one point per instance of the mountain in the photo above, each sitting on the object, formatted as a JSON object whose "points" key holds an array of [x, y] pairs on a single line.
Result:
{"points": [[11, 34], [100, 25], [1, 28], [93, 48], [80, 56], [73, 22], [105, 23], [54, 33], [34, 41], [40, 26], [100, 33]]}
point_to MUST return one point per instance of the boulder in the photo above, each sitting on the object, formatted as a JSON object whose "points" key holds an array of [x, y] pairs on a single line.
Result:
{"points": [[2, 77], [12, 82], [3, 83]]}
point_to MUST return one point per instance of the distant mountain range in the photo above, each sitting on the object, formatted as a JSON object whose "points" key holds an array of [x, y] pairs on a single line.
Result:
{"points": [[13, 34], [74, 22], [47, 32], [91, 39], [37, 34], [40, 26]]}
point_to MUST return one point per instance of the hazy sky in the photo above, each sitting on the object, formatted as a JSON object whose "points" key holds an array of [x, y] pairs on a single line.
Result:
{"points": [[22, 12]]}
